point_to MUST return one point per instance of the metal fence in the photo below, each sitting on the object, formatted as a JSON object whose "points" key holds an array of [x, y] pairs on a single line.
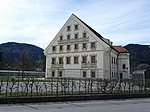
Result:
{"points": [[13, 87]]}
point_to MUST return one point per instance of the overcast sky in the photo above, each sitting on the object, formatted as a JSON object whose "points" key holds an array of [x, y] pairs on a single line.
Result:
{"points": [[38, 21]]}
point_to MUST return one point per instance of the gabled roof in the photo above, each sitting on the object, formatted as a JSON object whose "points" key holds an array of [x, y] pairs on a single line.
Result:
{"points": [[98, 35], [95, 32], [120, 49]]}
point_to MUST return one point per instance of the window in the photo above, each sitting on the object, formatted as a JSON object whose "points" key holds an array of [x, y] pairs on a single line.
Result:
{"points": [[93, 59], [61, 37], [53, 60], [69, 28], [61, 60], [84, 59], [84, 73], [84, 45], [76, 27], [121, 76], [61, 48], [68, 36], [60, 74], [92, 73], [68, 47], [76, 46], [84, 34], [76, 35], [54, 48], [112, 60], [93, 45], [124, 66], [68, 60], [76, 60], [53, 74]]}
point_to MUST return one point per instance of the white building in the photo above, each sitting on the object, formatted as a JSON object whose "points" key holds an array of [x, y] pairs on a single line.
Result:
{"points": [[79, 51]]}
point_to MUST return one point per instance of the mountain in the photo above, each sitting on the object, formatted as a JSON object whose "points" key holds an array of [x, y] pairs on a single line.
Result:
{"points": [[139, 54], [12, 52]]}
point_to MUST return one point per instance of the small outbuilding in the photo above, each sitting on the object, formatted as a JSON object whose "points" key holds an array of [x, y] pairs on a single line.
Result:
{"points": [[143, 76]]}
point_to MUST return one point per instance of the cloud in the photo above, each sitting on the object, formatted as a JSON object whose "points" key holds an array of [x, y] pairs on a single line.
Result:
{"points": [[38, 22]]}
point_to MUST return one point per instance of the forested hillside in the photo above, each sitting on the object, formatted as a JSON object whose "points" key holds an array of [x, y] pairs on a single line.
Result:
{"points": [[17, 56], [139, 55]]}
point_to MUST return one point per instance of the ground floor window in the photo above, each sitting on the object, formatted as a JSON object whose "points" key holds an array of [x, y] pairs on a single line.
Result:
{"points": [[121, 76], [60, 74], [53, 73], [84, 73], [93, 74]]}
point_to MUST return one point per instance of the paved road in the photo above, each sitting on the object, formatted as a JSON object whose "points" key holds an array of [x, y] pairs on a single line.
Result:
{"points": [[134, 105]]}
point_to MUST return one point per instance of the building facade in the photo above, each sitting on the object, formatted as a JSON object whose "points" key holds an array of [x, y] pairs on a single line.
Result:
{"points": [[79, 51]]}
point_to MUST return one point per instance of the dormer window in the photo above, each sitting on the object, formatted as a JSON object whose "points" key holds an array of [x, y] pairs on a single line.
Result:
{"points": [[61, 37], [76, 27], [84, 34], [68, 36], [69, 28], [76, 35]]}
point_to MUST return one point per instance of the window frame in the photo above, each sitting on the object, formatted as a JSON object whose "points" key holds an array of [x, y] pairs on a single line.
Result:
{"points": [[76, 60], [68, 36], [93, 45], [53, 48], [93, 74], [93, 57], [53, 73], [61, 37], [68, 61], [60, 60], [76, 27], [84, 45], [61, 47], [76, 36], [68, 47], [69, 28], [76, 46], [84, 59], [84, 34], [84, 74], [53, 61]]}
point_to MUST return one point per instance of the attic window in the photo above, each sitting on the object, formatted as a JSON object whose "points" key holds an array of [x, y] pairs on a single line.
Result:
{"points": [[76, 35], [69, 28], [54, 48], [61, 37], [68, 36], [84, 34], [76, 27], [93, 45]]}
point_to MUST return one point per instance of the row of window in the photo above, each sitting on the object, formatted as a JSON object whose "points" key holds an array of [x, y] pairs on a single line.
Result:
{"points": [[84, 74], [76, 46], [75, 59], [114, 60], [76, 27], [76, 36]]}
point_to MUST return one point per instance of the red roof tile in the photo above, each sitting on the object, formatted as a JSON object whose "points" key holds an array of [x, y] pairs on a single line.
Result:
{"points": [[120, 49]]}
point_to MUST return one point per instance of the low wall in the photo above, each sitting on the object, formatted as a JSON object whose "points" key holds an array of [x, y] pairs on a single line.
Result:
{"points": [[12, 100]]}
